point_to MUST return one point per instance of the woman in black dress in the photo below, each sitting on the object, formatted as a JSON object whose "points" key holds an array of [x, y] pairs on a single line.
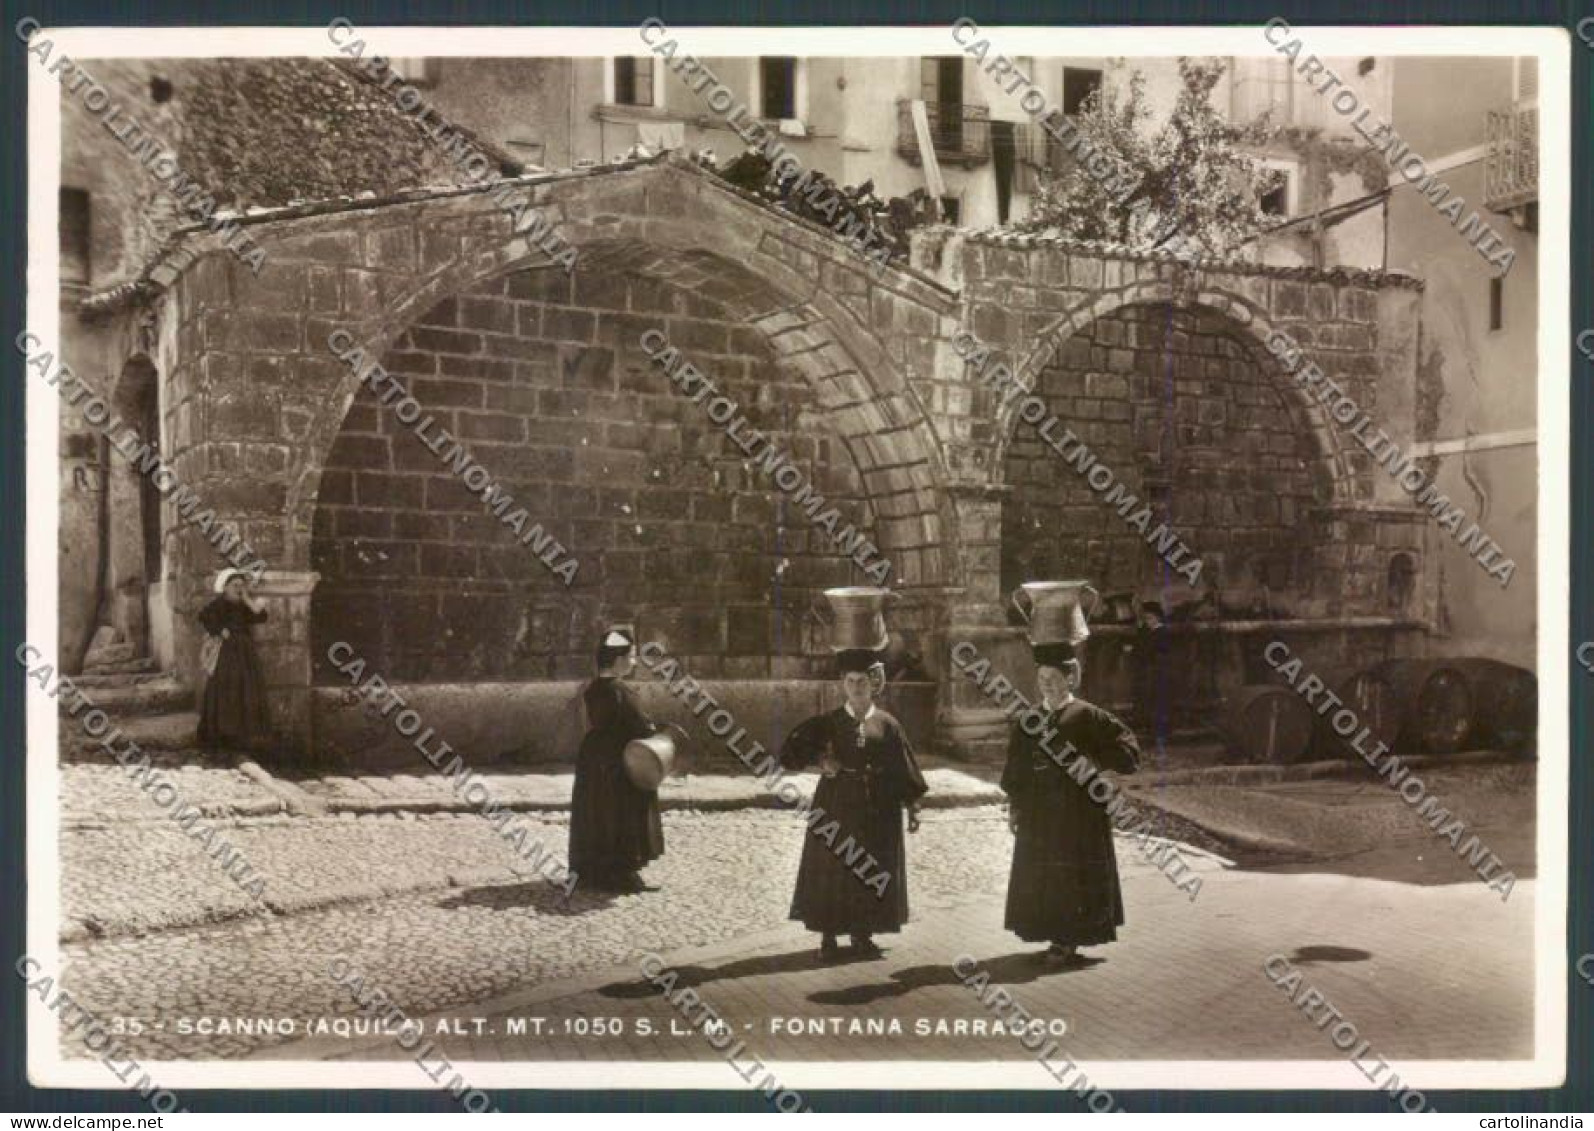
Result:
{"points": [[233, 712], [1064, 885], [614, 826], [853, 876]]}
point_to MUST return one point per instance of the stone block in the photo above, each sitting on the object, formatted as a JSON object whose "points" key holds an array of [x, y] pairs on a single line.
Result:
{"points": [[391, 249], [565, 324], [245, 495], [336, 487], [1289, 300], [476, 368], [545, 284], [242, 413], [324, 290], [406, 363], [443, 340], [280, 286], [489, 315], [434, 394], [390, 491]]}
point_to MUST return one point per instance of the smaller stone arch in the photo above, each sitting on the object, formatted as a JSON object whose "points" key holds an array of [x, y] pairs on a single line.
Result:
{"points": [[1243, 312], [1203, 456]]}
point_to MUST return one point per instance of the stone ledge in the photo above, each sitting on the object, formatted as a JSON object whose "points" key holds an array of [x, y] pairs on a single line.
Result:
{"points": [[1020, 241]]}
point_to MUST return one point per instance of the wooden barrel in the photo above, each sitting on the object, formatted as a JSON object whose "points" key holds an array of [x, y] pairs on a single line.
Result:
{"points": [[1505, 703], [1437, 704], [1372, 696], [1268, 724]]}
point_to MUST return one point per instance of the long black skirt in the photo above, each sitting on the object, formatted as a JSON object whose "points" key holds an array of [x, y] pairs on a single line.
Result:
{"points": [[233, 711], [1064, 883], [839, 887], [614, 826]]}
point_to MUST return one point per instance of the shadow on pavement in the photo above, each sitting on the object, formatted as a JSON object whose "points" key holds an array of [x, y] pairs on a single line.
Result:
{"points": [[757, 966], [1307, 955], [1008, 970], [541, 896]]}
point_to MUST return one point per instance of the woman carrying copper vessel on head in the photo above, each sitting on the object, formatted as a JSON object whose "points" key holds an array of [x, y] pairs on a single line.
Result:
{"points": [[853, 876]]}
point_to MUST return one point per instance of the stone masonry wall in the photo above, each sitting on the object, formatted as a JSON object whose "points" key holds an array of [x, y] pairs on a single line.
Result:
{"points": [[673, 528], [1177, 405]]}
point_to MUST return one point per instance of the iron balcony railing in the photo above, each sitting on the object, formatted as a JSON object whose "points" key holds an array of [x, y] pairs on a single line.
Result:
{"points": [[959, 133], [1511, 168]]}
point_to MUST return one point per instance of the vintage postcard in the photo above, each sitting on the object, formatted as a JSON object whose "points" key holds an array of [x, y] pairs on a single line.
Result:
{"points": [[921, 558]]}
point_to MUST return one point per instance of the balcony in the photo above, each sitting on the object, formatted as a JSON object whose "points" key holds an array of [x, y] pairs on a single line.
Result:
{"points": [[961, 134], [1511, 168]]}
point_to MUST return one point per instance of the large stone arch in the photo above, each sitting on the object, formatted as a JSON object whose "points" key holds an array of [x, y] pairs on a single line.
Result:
{"points": [[736, 251], [263, 394], [877, 414], [1239, 311], [669, 525]]}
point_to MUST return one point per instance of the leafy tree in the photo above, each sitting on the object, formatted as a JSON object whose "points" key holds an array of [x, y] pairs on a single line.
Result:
{"points": [[1196, 186]]}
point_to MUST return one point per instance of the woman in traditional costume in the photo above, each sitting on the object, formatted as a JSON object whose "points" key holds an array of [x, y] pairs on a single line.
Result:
{"points": [[1064, 885], [233, 712], [614, 825], [853, 877]]}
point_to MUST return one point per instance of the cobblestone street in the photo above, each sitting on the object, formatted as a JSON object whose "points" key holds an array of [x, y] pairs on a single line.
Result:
{"points": [[724, 874], [429, 908]]}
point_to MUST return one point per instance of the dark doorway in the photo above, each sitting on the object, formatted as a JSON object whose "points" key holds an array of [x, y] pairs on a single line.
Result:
{"points": [[1004, 158], [149, 496], [941, 86]]}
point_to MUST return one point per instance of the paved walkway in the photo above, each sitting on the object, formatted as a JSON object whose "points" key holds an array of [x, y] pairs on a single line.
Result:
{"points": [[1424, 973]]}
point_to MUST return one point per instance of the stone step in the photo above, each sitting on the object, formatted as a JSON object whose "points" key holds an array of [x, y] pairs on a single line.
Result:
{"points": [[88, 681], [110, 654], [120, 667], [154, 698]]}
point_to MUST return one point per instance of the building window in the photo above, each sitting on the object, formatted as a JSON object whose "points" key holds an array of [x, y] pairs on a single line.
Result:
{"points": [[75, 231], [1276, 201], [1262, 86], [1497, 303], [1279, 198], [951, 209], [1401, 583], [1079, 84], [941, 87], [633, 81], [941, 80], [777, 87], [415, 71]]}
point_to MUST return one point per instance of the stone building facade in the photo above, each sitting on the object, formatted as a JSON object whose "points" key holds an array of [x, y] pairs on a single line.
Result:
{"points": [[1161, 366]]}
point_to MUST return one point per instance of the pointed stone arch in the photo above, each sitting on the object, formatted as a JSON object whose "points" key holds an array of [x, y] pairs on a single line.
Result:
{"points": [[1251, 322]]}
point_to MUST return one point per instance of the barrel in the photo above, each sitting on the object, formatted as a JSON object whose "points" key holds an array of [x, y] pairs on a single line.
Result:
{"points": [[1438, 706], [1268, 724], [1371, 695], [648, 760], [1505, 703]]}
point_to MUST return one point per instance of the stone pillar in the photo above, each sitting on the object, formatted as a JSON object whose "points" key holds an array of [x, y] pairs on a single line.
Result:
{"points": [[284, 646], [968, 725]]}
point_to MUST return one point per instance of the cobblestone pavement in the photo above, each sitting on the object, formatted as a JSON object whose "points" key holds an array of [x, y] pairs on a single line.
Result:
{"points": [[1432, 973], [725, 874]]}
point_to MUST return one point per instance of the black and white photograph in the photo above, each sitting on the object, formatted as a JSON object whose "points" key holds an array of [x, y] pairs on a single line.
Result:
{"points": [[772, 559]]}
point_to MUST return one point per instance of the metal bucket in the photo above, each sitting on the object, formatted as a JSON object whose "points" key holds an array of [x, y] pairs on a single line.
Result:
{"points": [[857, 617], [1055, 614], [648, 761]]}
